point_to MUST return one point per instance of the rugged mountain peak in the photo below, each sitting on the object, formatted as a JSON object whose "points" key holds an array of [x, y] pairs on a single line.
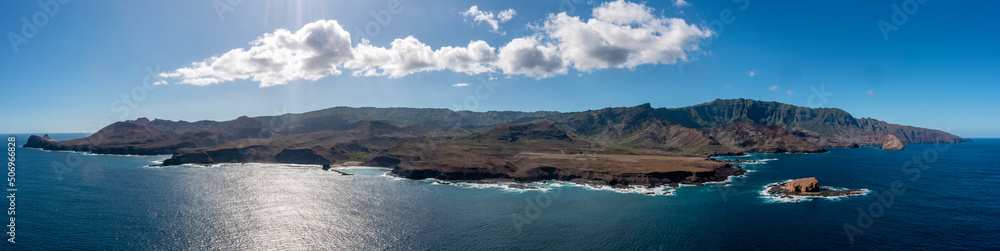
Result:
{"points": [[245, 121], [244, 127]]}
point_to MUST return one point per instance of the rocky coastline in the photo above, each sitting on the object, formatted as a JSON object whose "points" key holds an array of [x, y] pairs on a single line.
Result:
{"points": [[799, 189], [610, 170], [618, 146]]}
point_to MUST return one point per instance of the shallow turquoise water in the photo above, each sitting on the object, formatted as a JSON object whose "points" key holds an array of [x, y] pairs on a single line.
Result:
{"points": [[81, 201]]}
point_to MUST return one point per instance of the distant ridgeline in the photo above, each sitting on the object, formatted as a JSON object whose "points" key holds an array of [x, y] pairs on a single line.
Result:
{"points": [[487, 143]]}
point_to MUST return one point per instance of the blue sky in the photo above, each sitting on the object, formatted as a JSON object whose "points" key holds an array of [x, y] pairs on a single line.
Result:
{"points": [[91, 63]]}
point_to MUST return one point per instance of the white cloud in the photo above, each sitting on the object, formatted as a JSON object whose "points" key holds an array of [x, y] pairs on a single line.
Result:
{"points": [[506, 15], [493, 19], [752, 73], [323, 48], [623, 13], [527, 56], [310, 53], [622, 35], [773, 88], [202, 81], [408, 55], [870, 92], [460, 84], [681, 3], [789, 92]]}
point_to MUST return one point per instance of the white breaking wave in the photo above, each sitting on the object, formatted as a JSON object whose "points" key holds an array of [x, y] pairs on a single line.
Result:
{"points": [[763, 161], [518, 187], [651, 191], [771, 198]]}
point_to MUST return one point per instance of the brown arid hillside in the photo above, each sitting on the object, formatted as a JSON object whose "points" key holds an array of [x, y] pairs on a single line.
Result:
{"points": [[616, 146]]}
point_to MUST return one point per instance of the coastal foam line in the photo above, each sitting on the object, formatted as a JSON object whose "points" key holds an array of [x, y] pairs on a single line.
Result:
{"points": [[771, 198], [548, 185], [650, 191], [728, 180], [516, 187], [361, 168], [764, 161], [250, 164], [755, 157], [158, 162], [542, 186], [97, 154], [545, 186]]}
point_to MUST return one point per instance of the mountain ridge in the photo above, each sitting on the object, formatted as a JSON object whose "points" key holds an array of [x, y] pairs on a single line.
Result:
{"points": [[446, 144]]}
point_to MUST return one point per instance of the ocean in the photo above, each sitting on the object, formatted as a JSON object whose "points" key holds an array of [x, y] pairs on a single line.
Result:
{"points": [[928, 196]]}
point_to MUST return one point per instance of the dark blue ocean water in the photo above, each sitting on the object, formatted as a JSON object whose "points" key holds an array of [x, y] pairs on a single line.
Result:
{"points": [[80, 201]]}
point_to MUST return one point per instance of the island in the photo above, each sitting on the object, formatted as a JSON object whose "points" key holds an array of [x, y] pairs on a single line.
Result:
{"points": [[795, 190], [617, 146]]}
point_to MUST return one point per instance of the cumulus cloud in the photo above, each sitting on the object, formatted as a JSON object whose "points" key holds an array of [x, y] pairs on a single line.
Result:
{"points": [[773, 88], [460, 84], [408, 55], [789, 92], [493, 19], [752, 73], [681, 3], [620, 35], [623, 13], [527, 56], [323, 48], [313, 52]]}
